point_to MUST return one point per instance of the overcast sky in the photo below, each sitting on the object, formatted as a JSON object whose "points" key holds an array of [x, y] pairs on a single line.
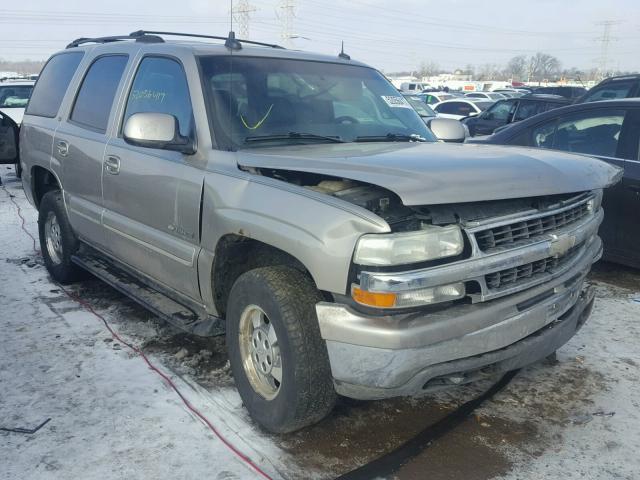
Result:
{"points": [[389, 34]]}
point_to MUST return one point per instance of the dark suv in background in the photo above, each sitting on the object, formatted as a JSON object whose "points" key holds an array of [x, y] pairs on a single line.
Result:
{"points": [[567, 92], [511, 110], [613, 88]]}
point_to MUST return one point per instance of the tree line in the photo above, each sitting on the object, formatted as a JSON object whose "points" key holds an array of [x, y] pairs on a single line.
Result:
{"points": [[538, 67]]}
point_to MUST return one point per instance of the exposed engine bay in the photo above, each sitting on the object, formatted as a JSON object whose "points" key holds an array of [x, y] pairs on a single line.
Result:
{"points": [[400, 217]]}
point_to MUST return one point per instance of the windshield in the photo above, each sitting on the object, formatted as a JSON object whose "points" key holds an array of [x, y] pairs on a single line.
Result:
{"points": [[483, 105], [261, 98], [15, 96], [422, 108]]}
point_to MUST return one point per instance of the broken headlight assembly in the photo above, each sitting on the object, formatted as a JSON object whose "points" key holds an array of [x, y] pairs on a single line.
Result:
{"points": [[402, 248], [429, 243]]}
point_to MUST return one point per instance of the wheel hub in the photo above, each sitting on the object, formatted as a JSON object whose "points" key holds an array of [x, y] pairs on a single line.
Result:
{"points": [[260, 352], [53, 238]]}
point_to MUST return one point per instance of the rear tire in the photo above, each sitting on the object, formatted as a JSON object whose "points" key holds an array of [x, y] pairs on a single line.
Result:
{"points": [[57, 240], [279, 361]]}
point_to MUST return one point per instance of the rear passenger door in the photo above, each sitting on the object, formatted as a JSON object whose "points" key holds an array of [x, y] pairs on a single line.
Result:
{"points": [[41, 116], [80, 141], [597, 132], [152, 196], [628, 233]]}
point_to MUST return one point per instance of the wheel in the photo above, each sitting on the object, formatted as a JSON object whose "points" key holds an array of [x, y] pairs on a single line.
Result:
{"points": [[57, 240], [18, 170], [278, 358]]}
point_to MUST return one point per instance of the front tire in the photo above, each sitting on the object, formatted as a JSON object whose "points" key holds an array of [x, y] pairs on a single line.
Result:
{"points": [[18, 170], [57, 240], [278, 358]]}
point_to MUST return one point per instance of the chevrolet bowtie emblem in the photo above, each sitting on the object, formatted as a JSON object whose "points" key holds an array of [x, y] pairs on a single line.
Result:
{"points": [[560, 244]]}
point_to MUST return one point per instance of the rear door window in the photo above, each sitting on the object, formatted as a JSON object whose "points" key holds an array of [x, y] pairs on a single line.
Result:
{"points": [[52, 84], [528, 109], [611, 91], [97, 92], [455, 108], [499, 111], [594, 132]]}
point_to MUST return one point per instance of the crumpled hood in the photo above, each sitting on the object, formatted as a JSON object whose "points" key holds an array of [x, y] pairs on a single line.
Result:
{"points": [[437, 173]]}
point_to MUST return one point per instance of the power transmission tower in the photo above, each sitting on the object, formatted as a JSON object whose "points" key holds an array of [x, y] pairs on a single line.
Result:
{"points": [[287, 14], [242, 15], [605, 40]]}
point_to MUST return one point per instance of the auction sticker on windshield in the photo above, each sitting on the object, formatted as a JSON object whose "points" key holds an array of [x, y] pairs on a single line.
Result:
{"points": [[396, 101]]}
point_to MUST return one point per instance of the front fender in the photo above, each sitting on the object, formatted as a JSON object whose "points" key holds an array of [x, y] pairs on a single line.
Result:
{"points": [[318, 230]]}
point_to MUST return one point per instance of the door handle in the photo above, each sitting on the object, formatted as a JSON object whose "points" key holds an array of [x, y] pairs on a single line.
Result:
{"points": [[63, 148], [112, 164], [634, 188]]}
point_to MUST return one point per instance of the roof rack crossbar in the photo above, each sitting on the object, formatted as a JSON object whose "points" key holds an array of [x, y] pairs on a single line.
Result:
{"points": [[116, 38], [196, 35]]}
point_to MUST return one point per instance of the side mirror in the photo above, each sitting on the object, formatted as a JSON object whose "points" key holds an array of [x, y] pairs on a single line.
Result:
{"points": [[157, 130], [448, 130]]}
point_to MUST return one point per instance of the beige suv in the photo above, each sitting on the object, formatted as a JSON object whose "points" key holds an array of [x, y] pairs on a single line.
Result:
{"points": [[298, 204]]}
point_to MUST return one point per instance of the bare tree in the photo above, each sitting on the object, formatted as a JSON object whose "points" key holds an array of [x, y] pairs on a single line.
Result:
{"points": [[542, 66], [517, 67], [428, 69]]}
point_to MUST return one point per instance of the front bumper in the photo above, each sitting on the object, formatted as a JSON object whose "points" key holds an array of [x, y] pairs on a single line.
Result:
{"points": [[409, 354]]}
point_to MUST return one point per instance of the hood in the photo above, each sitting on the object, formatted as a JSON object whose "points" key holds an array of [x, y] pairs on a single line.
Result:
{"points": [[437, 173]]}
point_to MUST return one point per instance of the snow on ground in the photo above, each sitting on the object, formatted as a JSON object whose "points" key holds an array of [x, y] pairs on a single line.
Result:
{"points": [[113, 418]]}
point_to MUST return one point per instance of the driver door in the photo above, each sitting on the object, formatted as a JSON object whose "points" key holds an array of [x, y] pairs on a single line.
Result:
{"points": [[152, 196]]}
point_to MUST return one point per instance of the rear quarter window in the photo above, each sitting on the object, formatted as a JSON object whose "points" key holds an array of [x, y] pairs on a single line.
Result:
{"points": [[53, 83]]}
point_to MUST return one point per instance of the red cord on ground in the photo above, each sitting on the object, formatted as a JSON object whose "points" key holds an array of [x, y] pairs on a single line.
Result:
{"points": [[136, 350]]}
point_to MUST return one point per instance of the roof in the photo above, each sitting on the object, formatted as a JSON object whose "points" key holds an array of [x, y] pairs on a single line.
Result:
{"points": [[208, 45]]}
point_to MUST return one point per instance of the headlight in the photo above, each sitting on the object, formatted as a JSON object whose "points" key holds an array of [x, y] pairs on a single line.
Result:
{"points": [[594, 204], [409, 247], [410, 298]]}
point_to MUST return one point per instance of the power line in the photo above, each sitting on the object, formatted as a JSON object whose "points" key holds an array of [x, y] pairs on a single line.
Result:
{"points": [[242, 15], [287, 12], [605, 40]]}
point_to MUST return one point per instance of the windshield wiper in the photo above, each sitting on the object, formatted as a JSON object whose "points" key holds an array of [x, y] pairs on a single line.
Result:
{"points": [[391, 137], [292, 136]]}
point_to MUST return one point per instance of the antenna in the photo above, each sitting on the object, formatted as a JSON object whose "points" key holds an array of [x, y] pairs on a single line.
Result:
{"points": [[342, 54]]}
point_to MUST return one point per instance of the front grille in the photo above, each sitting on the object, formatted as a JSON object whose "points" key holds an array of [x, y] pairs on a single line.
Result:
{"points": [[523, 273], [518, 232]]}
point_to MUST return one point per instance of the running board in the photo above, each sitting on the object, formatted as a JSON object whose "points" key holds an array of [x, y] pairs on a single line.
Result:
{"points": [[169, 310]]}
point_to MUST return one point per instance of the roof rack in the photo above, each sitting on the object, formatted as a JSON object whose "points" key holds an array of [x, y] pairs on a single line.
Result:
{"points": [[230, 40], [149, 36], [116, 38]]}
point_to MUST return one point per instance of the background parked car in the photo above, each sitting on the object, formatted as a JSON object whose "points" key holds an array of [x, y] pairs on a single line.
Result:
{"points": [[14, 96], [432, 98], [510, 92], [494, 96], [511, 110], [460, 108], [564, 91], [609, 130], [413, 87], [424, 110], [627, 86]]}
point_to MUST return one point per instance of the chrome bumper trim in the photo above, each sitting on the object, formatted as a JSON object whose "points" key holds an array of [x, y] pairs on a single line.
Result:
{"points": [[476, 267]]}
